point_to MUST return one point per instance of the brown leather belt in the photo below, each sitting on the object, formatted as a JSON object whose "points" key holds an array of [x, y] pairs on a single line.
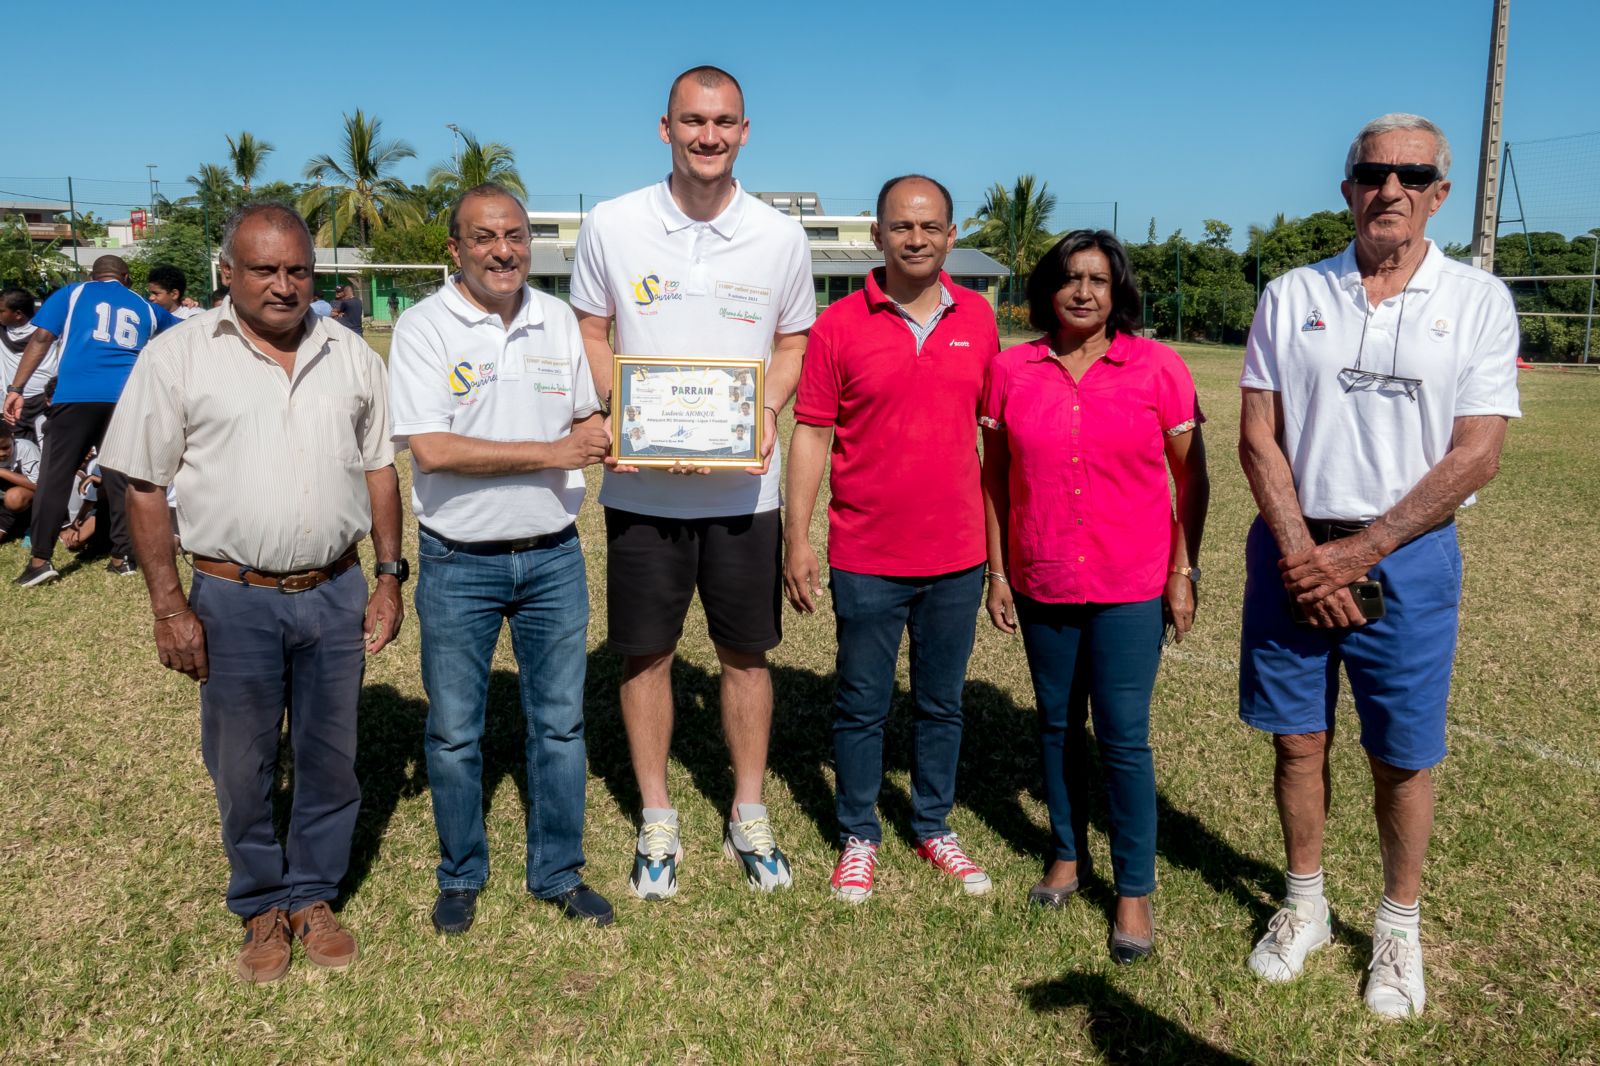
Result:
{"points": [[293, 581]]}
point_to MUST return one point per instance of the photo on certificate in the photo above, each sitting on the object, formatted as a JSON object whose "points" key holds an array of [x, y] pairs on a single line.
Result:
{"points": [[700, 412]]}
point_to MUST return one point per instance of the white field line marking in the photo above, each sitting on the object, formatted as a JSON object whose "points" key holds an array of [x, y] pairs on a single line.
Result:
{"points": [[1526, 745]]}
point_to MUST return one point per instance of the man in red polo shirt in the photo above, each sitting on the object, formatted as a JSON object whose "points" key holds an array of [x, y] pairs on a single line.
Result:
{"points": [[894, 375]]}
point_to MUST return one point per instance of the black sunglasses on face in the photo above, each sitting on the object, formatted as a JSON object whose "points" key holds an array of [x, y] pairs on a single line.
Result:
{"points": [[1411, 175]]}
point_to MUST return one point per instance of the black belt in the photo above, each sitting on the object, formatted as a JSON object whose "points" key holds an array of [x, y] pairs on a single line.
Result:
{"points": [[505, 547], [1325, 529]]}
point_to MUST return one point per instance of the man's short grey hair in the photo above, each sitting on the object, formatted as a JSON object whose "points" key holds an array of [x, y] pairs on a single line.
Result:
{"points": [[281, 216], [1399, 120]]}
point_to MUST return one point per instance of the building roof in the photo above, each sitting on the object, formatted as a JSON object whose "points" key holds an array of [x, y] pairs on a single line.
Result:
{"points": [[855, 262], [55, 207]]}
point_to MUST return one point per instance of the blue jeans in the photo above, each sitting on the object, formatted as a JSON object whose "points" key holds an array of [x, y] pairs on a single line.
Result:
{"points": [[871, 613], [1102, 656], [272, 653], [461, 598]]}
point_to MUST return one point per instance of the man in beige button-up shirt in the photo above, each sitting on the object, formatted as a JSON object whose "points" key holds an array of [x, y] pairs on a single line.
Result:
{"points": [[275, 429]]}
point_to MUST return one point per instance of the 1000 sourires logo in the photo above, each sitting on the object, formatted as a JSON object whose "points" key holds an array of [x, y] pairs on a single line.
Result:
{"points": [[650, 290]]}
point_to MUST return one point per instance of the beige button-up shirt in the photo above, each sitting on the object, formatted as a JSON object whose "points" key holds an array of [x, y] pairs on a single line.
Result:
{"points": [[270, 471]]}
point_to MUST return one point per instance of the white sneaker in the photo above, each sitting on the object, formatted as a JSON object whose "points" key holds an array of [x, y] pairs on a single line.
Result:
{"points": [[1394, 979], [1297, 930]]}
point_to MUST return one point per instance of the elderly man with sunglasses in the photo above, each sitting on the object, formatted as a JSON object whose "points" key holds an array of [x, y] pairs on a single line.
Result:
{"points": [[1377, 389]]}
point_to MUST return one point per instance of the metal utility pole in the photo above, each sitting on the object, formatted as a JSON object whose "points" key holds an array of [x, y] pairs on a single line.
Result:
{"points": [[1594, 268], [150, 168], [1179, 258], [1487, 218]]}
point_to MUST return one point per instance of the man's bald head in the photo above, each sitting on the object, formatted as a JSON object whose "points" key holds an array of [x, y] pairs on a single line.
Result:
{"points": [[278, 216], [110, 268], [708, 77]]}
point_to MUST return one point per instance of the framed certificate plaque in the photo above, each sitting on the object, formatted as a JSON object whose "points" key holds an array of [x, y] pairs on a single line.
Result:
{"points": [[697, 412]]}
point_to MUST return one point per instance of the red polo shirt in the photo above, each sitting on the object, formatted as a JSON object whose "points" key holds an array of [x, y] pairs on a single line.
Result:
{"points": [[904, 470], [1091, 513]]}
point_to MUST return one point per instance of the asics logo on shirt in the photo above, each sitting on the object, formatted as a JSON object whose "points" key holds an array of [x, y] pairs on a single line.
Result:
{"points": [[960, 344]]}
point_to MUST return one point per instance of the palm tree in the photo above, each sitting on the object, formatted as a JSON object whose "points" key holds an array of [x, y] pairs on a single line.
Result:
{"points": [[247, 154], [478, 164], [365, 196], [213, 187], [1013, 225]]}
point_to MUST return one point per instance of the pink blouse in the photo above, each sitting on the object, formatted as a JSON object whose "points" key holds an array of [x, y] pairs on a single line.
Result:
{"points": [[1091, 513]]}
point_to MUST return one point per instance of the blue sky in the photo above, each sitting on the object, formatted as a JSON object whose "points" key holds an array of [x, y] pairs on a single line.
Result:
{"points": [[1181, 111]]}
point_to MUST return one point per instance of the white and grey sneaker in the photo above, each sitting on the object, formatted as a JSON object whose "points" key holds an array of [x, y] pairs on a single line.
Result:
{"points": [[1297, 930], [1394, 979], [749, 840], [656, 857]]}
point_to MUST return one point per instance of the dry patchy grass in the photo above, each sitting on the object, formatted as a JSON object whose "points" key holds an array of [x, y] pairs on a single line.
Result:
{"points": [[115, 944]]}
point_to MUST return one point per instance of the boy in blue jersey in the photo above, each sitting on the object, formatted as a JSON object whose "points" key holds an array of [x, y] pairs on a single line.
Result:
{"points": [[103, 325]]}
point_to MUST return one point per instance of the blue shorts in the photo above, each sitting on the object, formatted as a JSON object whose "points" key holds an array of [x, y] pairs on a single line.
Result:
{"points": [[1399, 666]]}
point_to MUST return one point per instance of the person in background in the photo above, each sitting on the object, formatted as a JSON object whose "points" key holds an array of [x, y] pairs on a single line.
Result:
{"points": [[102, 326], [16, 326], [165, 285]]}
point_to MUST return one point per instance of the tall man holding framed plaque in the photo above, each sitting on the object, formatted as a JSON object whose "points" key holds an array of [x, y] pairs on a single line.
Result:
{"points": [[696, 273], [902, 360]]}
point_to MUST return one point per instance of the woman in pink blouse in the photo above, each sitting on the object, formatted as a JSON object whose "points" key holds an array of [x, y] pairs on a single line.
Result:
{"points": [[1086, 555]]}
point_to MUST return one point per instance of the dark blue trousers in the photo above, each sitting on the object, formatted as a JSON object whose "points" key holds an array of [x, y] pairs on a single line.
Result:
{"points": [[1109, 653], [273, 653]]}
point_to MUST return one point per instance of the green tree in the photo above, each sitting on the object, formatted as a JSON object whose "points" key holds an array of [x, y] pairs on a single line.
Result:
{"points": [[1218, 233], [476, 164], [89, 227], [357, 192], [420, 243], [179, 244], [214, 190], [1013, 226], [27, 265], [246, 155]]}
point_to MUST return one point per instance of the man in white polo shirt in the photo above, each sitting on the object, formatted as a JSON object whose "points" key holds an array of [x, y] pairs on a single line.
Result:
{"points": [[492, 393], [694, 267], [1377, 388]]}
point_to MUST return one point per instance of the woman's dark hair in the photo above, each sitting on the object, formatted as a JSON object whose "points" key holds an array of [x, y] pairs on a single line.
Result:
{"points": [[1051, 273]]}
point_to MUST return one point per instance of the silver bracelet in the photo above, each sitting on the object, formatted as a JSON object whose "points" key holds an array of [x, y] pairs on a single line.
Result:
{"points": [[997, 575]]}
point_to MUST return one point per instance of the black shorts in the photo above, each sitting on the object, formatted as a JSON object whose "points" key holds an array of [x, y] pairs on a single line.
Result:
{"points": [[654, 565]]}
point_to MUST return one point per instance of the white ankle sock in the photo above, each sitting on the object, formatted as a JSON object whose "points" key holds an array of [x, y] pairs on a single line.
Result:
{"points": [[1305, 888], [1402, 915]]}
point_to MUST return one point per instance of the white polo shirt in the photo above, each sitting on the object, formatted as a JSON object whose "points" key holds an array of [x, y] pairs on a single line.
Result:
{"points": [[718, 289], [454, 368], [1355, 452]]}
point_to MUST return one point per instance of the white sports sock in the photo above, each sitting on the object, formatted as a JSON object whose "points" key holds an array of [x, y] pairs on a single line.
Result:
{"points": [[1400, 915], [1305, 888]]}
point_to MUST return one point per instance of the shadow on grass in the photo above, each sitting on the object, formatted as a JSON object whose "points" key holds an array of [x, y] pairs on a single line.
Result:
{"points": [[1122, 1029], [801, 746], [392, 765]]}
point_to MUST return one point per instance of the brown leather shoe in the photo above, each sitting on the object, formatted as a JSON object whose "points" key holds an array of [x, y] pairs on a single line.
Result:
{"points": [[327, 943], [267, 947]]}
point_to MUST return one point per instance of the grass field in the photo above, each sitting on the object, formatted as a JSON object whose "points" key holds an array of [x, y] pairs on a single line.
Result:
{"points": [[115, 944]]}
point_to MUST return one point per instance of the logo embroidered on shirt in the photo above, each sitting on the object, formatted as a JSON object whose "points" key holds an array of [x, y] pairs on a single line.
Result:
{"points": [[960, 344], [650, 289], [1440, 328], [740, 314], [1313, 322]]}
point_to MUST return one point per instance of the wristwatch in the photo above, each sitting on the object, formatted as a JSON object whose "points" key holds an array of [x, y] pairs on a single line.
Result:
{"points": [[400, 570], [1190, 572], [14, 388]]}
